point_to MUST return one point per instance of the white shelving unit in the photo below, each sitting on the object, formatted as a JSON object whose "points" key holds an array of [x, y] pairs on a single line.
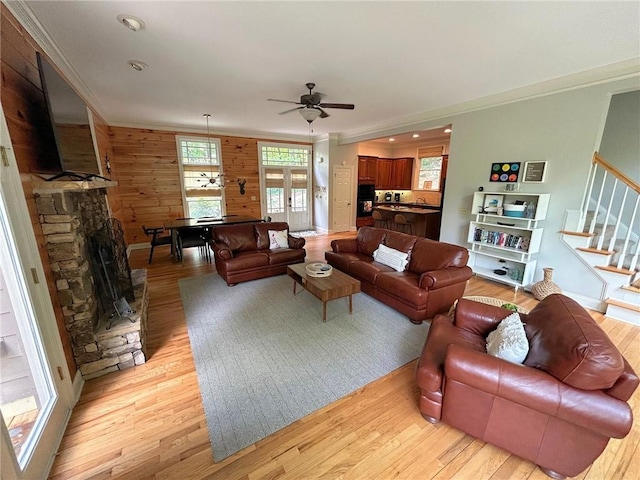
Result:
{"points": [[506, 243]]}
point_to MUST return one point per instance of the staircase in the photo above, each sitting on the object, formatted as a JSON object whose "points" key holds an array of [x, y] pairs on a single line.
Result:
{"points": [[604, 234]]}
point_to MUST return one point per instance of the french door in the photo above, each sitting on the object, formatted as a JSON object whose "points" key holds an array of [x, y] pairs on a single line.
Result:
{"points": [[286, 195], [36, 394], [285, 183]]}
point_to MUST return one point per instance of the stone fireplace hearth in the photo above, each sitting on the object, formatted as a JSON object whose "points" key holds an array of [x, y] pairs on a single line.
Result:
{"points": [[71, 215]]}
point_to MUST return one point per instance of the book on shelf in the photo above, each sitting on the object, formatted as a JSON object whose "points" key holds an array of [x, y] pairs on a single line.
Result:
{"points": [[501, 239]]}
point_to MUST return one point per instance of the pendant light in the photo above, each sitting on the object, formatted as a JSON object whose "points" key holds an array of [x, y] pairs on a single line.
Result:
{"points": [[211, 180]]}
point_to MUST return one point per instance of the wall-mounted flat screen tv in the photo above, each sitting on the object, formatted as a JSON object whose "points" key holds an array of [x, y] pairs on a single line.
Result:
{"points": [[70, 123]]}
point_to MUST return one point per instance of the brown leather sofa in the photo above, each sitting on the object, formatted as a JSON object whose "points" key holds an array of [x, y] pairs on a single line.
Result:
{"points": [[242, 251], [433, 280], [558, 409]]}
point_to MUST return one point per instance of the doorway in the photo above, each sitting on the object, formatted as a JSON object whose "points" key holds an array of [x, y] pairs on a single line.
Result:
{"points": [[285, 184], [343, 197]]}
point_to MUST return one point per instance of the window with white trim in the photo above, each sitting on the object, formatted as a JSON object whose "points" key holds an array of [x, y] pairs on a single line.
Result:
{"points": [[429, 168], [283, 155], [201, 176]]}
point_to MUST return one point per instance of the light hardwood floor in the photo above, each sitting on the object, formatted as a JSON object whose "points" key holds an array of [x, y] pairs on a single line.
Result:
{"points": [[148, 422]]}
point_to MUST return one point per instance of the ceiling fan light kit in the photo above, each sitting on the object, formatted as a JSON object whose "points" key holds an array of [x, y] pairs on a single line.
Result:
{"points": [[312, 105], [309, 113]]}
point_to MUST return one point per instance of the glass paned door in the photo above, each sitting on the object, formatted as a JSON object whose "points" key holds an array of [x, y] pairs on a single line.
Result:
{"points": [[286, 194], [34, 405], [24, 388]]}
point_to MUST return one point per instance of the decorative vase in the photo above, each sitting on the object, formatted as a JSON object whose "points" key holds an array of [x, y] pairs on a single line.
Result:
{"points": [[546, 286]]}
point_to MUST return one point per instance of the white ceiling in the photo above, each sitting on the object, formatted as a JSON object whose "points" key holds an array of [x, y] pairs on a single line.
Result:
{"points": [[399, 62]]}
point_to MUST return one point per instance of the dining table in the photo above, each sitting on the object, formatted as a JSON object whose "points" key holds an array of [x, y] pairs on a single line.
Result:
{"points": [[203, 223]]}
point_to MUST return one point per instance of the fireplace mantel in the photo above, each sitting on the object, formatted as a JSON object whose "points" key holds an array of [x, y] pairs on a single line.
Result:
{"points": [[61, 186]]}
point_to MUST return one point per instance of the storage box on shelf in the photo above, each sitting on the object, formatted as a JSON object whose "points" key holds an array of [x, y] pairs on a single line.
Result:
{"points": [[506, 243]]}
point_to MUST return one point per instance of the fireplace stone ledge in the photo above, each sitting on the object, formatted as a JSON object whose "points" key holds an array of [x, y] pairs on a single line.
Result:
{"points": [[71, 186]]}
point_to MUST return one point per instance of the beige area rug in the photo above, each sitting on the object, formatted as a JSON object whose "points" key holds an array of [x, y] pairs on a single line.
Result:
{"points": [[265, 359]]}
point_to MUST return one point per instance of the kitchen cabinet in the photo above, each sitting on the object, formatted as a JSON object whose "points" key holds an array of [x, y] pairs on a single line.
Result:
{"points": [[402, 173], [506, 244], [384, 174], [394, 173], [367, 168]]}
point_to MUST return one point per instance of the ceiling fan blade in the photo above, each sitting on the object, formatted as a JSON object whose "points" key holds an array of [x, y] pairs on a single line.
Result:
{"points": [[283, 101], [323, 114], [291, 110], [344, 106]]}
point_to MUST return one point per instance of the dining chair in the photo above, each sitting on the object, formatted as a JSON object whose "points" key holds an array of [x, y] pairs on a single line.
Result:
{"points": [[156, 238], [193, 237]]}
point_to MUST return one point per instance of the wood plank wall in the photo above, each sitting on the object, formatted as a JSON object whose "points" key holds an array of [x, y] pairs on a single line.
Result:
{"points": [[145, 165], [105, 158], [24, 108]]}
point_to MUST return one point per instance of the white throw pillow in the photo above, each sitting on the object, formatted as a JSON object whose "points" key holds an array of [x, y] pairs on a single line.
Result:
{"points": [[509, 340], [278, 239], [391, 257]]}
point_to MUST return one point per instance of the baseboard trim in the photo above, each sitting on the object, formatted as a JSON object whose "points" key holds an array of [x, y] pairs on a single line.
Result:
{"points": [[588, 302], [78, 384]]}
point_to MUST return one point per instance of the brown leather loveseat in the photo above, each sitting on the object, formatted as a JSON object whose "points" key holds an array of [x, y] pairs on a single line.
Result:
{"points": [[558, 409], [242, 251], [432, 281]]}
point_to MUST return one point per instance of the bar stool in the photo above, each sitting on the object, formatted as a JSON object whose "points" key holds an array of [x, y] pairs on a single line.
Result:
{"points": [[379, 220], [401, 223]]}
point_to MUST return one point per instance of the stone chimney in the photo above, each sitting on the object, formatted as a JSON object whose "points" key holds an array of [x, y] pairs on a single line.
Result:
{"points": [[71, 212]]}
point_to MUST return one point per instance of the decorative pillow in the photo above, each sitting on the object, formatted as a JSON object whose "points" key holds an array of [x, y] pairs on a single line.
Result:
{"points": [[509, 341], [390, 257], [278, 239]]}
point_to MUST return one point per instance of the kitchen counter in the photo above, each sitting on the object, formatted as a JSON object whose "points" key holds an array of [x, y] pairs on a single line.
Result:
{"points": [[407, 209], [407, 204], [425, 221]]}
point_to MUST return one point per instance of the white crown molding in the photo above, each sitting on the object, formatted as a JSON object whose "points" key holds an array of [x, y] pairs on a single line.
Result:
{"points": [[23, 13], [608, 73]]}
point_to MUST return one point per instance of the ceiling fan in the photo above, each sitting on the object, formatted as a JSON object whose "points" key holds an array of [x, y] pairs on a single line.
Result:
{"points": [[312, 105]]}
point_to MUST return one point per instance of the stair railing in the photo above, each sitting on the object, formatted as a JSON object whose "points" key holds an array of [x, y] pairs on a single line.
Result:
{"points": [[629, 198]]}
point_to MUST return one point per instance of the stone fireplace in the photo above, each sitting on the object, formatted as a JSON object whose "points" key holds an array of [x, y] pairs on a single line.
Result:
{"points": [[73, 214]]}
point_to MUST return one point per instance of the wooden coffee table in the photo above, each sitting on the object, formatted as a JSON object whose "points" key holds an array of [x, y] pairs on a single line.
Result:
{"points": [[336, 285]]}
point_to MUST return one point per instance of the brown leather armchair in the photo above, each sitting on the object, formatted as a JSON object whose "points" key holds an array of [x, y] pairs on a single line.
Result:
{"points": [[558, 409]]}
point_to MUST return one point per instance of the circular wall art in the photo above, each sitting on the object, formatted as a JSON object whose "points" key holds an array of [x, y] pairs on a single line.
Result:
{"points": [[505, 172]]}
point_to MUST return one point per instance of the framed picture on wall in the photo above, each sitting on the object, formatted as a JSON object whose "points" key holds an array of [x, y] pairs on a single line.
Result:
{"points": [[504, 172], [534, 172]]}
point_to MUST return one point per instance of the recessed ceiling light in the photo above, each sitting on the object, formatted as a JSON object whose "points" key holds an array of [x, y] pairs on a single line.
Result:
{"points": [[136, 65], [392, 139], [447, 130], [415, 135], [131, 22]]}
